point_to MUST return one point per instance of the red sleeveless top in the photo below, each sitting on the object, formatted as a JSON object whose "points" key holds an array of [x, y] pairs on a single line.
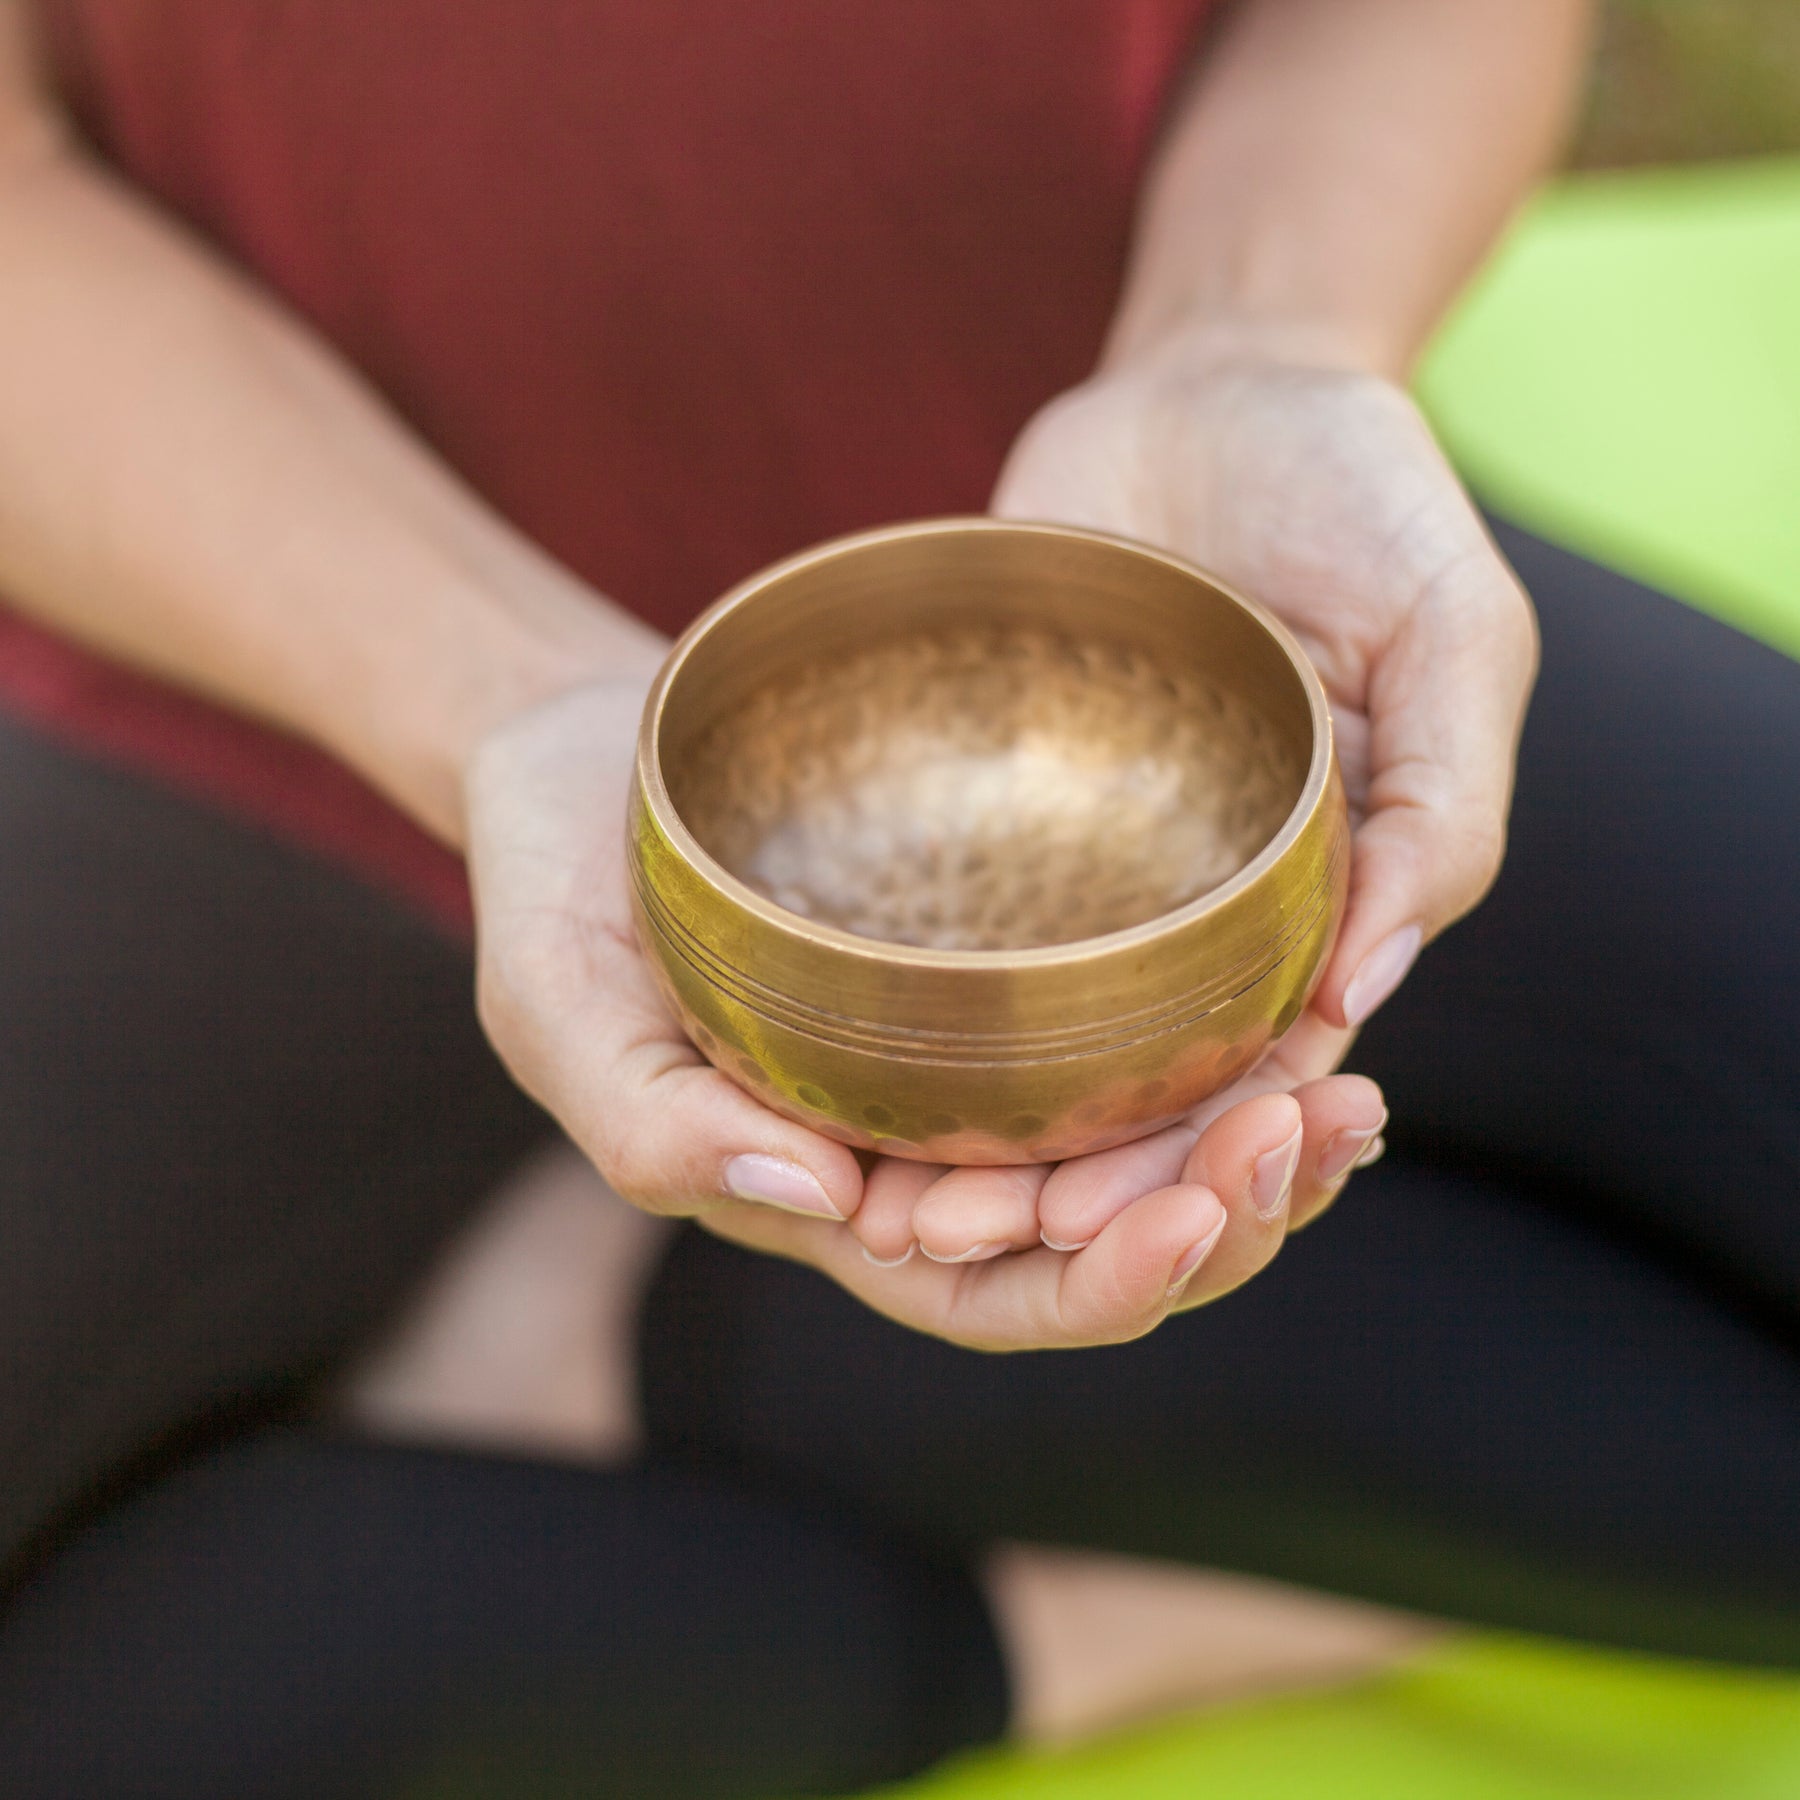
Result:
{"points": [[679, 289]]}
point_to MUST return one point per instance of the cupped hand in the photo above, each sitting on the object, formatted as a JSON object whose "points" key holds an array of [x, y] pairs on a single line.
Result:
{"points": [[565, 992], [1316, 489], [1155, 1227], [567, 997]]}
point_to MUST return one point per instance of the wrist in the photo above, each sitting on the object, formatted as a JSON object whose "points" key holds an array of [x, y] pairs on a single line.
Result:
{"points": [[1189, 338], [497, 652]]}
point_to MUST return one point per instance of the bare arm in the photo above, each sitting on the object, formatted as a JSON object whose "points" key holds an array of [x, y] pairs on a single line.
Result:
{"points": [[193, 483], [1340, 167]]}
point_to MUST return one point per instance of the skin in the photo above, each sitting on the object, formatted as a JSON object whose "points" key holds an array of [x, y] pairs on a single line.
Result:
{"points": [[193, 483]]}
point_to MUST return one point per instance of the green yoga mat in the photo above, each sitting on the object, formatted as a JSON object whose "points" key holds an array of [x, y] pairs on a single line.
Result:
{"points": [[1625, 380], [1496, 1719]]}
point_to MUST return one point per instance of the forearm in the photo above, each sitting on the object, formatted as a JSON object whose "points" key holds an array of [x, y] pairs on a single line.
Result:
{"points": [[1340, 166], [190, 482]]}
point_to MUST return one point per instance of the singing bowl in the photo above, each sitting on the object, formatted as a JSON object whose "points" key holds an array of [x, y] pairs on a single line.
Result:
{"points": [[979, 842]]}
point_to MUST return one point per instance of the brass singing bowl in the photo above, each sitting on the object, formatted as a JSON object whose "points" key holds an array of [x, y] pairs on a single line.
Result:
{"points": [[986, 843]]}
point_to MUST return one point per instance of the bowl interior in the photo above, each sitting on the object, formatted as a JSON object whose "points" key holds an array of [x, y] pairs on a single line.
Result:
{"points": [[985, 739]]}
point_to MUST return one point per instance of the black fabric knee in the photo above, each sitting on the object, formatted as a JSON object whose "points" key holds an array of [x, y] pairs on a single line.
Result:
{"points": [[304, 1619], [1443, 1397], [1617, 1028], [242, 1102]]}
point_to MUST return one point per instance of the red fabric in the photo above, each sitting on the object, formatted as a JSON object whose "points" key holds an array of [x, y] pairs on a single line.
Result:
{"points": [[678, 288]]}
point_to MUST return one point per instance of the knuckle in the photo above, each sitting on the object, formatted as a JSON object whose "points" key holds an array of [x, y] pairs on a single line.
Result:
{"points": [[496, 1004], [662, 1159], [1484, 850], [1472, 859], [509, 1025], [511, 983], [633, 1166], [1527, 633], [1117, 1314], [1517, 638]]}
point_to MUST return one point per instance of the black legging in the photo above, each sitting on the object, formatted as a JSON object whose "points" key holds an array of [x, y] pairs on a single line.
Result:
{"points": [[1539, 1368]]}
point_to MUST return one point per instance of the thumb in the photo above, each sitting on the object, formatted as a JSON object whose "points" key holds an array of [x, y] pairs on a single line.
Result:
{"points": [[667, 1130], [1446, 702]]}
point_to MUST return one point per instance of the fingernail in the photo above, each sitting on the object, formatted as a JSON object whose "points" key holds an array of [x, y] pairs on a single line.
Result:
{"points": [[1273, 1175], [1344, 1150], [977, 1253], [1051, 1243], [1383, 969], [1375, 1152], [773, 1181], [1193, 1257], [890, 1262]]}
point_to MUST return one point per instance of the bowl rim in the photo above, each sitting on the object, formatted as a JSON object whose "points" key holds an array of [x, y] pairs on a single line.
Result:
{"points": [[654, 792]]}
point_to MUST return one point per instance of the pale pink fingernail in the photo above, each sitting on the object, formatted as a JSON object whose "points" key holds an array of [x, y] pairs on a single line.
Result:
{"points": [[1382, 970], [890, 1262], [1375, 1152], [1051, 1243], [1273, 1176], [1193, 1257], [1345, 1149], [975, 1253], [773, 1181]]}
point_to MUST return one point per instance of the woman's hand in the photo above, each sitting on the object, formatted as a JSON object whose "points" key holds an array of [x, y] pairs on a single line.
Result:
{"points": [[1165, 1224], [567, 997], [568, 1000], [1319, 491]]}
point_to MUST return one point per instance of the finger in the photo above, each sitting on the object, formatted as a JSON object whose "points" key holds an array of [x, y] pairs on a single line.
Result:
{"points": [[1251, 1153], [1121, 1286], [1344, 1116], [1085, 1194], [1248, 1157], [586, 1033], [972, 1214], [1373, 1152], [1445, 704], [1117, 1288], [1143, 1263], [1240, 1157], [883, 1222]]}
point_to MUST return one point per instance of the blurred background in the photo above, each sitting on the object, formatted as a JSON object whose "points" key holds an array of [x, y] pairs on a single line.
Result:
{"points": [[1682, 79], [1624, 378]]}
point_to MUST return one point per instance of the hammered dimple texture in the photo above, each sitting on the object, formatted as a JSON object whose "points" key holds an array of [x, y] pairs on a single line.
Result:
{"points": [[999, 788]]}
